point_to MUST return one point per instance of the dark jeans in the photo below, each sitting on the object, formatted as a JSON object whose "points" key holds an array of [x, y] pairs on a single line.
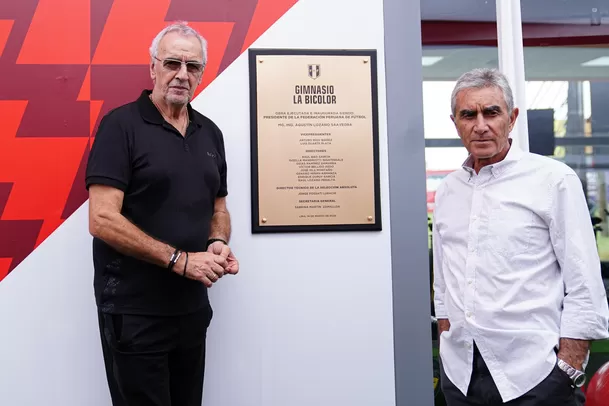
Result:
{"points": [[154, 361], [555, 390]]}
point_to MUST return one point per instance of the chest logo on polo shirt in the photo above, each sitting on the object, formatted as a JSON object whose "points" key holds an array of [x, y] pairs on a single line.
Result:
{"points": [[211, 154]]}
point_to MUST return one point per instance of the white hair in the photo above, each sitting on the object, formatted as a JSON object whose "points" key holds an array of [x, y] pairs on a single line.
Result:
{"points": [[182, 28], [481, 78]]}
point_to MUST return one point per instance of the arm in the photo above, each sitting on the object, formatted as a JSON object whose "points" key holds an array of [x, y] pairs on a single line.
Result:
{"points": [[439, 286], [585, 311], [221, 229], [107, 177], [220, 222], [108, 224]]}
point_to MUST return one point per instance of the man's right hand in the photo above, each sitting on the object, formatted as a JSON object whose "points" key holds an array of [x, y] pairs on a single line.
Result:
{"points": [[443, 325], [204, 267]]}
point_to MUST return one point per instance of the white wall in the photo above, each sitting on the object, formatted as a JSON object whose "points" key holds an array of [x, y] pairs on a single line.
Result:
{"points": [[308, 321], [49, 341]]}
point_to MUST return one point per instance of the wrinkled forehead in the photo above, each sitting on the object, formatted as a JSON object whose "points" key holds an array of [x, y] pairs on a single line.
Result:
{"points": [[180, 46], [479, 99]]}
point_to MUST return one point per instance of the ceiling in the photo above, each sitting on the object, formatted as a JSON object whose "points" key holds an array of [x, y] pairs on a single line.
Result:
{"points": [[534, 11], [541, 63]]}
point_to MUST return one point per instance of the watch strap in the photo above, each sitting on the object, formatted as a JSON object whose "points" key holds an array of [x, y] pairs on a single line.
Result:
{"points": [[213, 240]]}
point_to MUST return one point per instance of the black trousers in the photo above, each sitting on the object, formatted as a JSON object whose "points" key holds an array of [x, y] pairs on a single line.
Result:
{"points": [[555, 390], [154, 361]]}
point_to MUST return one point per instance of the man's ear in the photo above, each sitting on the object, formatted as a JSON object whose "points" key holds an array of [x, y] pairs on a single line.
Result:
{"points": [[152, 72], [454, 120], [513, 118]]}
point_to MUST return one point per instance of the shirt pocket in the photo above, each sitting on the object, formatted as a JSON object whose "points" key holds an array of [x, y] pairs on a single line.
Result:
{"points": [[509, 231]]}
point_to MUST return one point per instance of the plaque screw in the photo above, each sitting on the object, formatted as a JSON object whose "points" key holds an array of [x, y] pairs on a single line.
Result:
{"points": [[264, 219], [261, 60], [365, 61], [369, 218]]}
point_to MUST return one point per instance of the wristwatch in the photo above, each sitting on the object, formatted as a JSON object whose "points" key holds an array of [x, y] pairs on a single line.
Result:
{"points": [[578, 377]]}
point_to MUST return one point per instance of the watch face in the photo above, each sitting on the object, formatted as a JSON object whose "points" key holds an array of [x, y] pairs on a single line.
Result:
{"points": [[580, 380]]}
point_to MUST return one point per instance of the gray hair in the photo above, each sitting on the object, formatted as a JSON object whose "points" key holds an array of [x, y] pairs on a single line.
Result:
{"points": [[481, 78], [182, 28]]}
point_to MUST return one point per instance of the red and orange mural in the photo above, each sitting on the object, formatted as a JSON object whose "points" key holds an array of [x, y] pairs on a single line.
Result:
{"points": [[63, 65]]}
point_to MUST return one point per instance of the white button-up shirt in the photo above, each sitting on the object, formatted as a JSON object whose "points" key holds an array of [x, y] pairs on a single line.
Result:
{"points": [[516, 268]]}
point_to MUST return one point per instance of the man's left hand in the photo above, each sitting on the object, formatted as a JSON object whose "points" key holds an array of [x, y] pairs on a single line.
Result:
{"points": [[219, 248]]}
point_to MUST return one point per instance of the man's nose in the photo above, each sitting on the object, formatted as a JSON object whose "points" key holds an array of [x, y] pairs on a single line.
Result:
{"points": [[182, 72], [481, 125]]}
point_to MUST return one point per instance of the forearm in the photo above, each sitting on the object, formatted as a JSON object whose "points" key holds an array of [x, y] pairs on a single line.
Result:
{"points": [[220, 226], [573, 352], [122, 235]]}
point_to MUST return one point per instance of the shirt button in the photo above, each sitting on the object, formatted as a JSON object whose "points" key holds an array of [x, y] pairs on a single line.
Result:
{"points": [[468, 346], [468, 314]]}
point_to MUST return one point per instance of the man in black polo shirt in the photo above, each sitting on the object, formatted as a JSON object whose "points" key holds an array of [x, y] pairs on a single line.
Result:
{"points": [[156, 177]]}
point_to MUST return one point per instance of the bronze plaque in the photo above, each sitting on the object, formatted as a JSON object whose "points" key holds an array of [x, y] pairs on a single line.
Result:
{"points": [[314, 140]]}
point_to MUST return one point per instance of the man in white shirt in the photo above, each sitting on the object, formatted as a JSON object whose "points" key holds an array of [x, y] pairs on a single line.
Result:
{"points": [[517, 285]]}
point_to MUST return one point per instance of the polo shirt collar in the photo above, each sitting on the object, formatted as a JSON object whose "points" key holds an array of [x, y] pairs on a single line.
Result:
{"points": [[151, 114]]}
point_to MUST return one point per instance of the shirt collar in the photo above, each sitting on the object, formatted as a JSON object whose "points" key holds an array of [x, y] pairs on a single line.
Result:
{"points": [[151, 114], [514, 154]]}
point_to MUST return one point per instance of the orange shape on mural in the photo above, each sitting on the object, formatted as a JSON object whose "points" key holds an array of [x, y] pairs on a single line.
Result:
{"points": [[59, 34], [85, 90], [5, 30], [267, 13], [94, 109], [129, 30]]}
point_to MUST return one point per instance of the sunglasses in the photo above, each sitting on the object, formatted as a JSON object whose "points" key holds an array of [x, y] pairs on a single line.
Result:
{"points": [[175, 65]]}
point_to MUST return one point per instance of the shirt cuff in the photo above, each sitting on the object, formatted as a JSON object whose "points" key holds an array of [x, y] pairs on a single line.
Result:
{"points": [[584, 326], [440, 311], [103, 180]]}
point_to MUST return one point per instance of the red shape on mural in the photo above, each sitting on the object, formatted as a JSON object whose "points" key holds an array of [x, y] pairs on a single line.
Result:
{"points": [[219, 11], [5, 264], [5, 31], [11, 113], [85, 90], [129, 30], [266, 14], [59, 34], [76, 60], [41, 170], [100, 9], [94, 110], [217, 36]]}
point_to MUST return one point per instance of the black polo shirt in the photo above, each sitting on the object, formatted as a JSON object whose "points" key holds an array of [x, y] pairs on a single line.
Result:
{"points": [[170, 184]]}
